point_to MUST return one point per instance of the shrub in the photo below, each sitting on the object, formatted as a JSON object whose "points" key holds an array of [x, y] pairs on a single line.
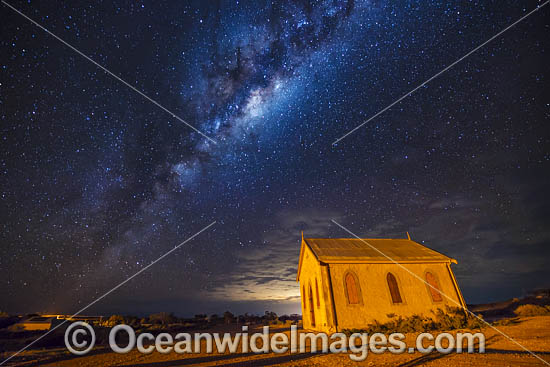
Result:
{"points": [[114, 320], [228, 317], [532, 310], [506, 322], [163, 318], [451, 318]]}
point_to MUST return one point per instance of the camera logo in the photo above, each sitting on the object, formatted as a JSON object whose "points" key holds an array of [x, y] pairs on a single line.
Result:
{"points": [[76, 338]]}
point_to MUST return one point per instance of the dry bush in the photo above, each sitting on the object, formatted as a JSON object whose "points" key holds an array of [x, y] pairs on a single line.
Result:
{"points": [[507, 322], [450, 319], [532, 310]]}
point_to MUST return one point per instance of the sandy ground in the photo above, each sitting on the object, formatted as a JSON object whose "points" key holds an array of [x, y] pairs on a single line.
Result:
{"points": [[532, 332]]}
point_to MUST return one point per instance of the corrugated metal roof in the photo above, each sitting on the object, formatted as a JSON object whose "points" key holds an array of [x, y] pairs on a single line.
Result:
{"points": [[332, 250]]}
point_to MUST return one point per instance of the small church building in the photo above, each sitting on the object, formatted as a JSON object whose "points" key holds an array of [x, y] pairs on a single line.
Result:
{"points": [[348, 283]]}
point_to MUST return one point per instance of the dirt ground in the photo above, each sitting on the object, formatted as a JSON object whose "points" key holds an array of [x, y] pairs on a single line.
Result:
{"points": [[531, 332]]}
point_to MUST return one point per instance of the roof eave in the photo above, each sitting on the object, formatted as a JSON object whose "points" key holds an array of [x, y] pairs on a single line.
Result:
{"points": [[349, 261], [300, 260]]}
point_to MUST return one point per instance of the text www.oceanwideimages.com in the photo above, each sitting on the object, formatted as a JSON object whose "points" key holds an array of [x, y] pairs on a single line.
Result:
{"points": [[357, 344]]}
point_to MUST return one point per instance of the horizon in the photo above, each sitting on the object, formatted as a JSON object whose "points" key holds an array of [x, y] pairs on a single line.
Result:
{"points": [[241, 308]]}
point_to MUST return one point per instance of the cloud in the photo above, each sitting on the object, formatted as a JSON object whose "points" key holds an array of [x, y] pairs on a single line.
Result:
{"points": [[268, 272], [488, 247], [493, 251]]}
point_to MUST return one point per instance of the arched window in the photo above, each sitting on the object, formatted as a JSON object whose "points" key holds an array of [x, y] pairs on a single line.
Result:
{"points": [[304, 296], [394, 289], [352, 289], [434, 287], [317, 293], [311, 306]]}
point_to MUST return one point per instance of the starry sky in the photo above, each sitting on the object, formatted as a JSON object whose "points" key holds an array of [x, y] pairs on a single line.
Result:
{"points": [[97, 182]]}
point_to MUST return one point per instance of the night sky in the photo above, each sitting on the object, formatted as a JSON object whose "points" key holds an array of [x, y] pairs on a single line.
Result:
{"points": [[97, 182]]}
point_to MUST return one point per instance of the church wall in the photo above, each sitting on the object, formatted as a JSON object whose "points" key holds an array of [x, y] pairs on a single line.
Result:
{"points": [[375, 298], [309, 273]]}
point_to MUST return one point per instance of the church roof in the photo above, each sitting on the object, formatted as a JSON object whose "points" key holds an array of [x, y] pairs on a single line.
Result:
{"points": [[353, 250]]}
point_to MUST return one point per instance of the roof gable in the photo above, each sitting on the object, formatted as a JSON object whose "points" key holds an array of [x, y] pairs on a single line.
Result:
{"points": [[353, 250], [303, 248]]}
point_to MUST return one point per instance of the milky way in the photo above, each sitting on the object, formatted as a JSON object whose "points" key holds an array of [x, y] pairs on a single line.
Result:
{"points": [[96, 182], [243, 79]]}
